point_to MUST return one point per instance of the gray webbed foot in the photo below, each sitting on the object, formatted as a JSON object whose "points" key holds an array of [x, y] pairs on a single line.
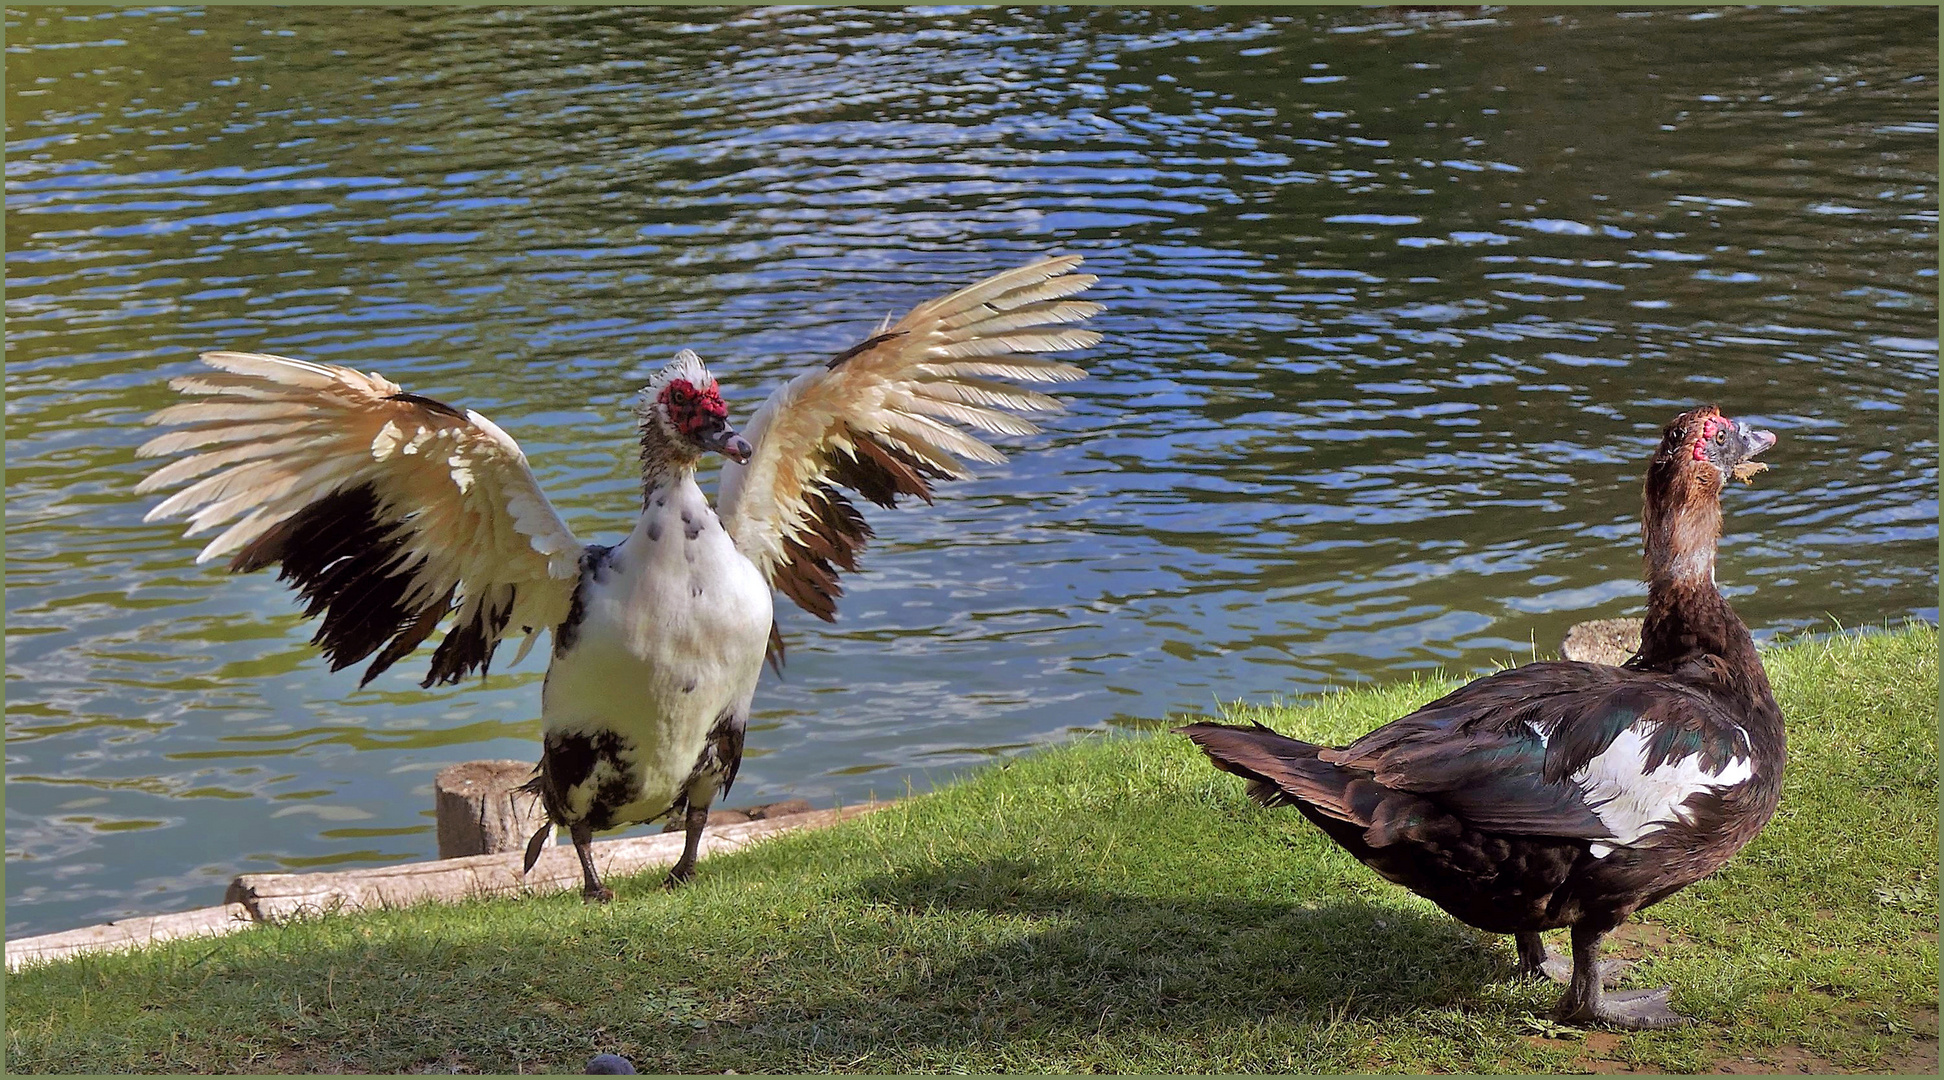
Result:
{"points": [[1639, 1010], [1536, 961], [1585, 1001], [1559, 968]]}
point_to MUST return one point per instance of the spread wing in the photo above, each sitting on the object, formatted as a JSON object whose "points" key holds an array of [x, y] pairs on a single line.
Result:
{"points": [[880, 418], [387, 510]]}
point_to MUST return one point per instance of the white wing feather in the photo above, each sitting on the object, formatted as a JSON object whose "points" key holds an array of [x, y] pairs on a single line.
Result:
{"points": [[878, 420], [452, 518]]}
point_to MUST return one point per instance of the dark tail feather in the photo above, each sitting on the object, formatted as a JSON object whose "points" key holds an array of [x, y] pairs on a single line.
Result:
{"points": [[538, 786], [1268, 761], [536, 845], [1281, 771]]}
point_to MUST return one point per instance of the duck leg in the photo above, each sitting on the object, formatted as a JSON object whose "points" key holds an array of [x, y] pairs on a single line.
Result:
{"points": [[1585, 1002], [684, 869], [592, 890], [1536, 961], [1533, 955]]}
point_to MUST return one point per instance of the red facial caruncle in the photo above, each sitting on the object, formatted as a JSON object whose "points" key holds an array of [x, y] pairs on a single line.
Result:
{"points": [[1708, 428], [693, 411]]}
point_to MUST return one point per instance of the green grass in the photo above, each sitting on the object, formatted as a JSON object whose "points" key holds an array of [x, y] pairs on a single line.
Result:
{"points": [[1114, 905]]}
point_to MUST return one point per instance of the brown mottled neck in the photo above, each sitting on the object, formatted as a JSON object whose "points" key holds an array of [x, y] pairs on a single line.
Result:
{"points": [[1688, 620], [664, 460]]}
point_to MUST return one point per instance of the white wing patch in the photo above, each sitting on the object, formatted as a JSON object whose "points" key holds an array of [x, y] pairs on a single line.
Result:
{"points": [[1634, 802]]}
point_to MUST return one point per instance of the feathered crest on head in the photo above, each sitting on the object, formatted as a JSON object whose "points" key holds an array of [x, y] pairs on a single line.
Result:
{"points": [[686, 366]]}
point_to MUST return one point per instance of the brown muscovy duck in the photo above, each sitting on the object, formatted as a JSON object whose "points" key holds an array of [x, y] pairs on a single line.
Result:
{"points": [[1565, 794]]}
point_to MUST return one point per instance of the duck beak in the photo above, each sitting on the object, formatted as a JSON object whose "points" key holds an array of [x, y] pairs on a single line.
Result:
{"points": [[1753, 442], [725, 441]]}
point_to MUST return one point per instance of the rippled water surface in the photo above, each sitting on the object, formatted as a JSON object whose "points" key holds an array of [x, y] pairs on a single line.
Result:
{"points": [[1396, 305]]}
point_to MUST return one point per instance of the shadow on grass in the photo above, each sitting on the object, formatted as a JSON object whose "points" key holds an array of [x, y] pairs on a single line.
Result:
{"points": [[981, 964], [1077, 963]]}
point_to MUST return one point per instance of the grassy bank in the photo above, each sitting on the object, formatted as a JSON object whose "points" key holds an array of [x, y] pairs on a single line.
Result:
{"points": [[1114, 905]]}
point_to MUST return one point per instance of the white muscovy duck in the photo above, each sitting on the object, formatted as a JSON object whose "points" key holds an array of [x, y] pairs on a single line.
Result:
{"points": [[390, 511]]}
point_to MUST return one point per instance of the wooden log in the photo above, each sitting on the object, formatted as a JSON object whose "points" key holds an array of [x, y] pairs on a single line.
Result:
{"points": [[1602, 641], [719, 816], [261, 897], [125, 934], [282, 896], [778, 809], [481, 811]]}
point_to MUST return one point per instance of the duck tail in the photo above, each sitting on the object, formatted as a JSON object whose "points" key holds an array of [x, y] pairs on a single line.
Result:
{"points": [[1280, 770]]}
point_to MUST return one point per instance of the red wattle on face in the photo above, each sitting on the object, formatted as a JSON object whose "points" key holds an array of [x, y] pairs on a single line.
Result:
{"points": [[1708, 430], [693, 411]]}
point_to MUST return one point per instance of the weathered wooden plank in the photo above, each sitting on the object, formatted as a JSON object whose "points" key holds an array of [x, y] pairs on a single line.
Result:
{"points": [[272, 897], [263, 897], [267, 897], [127, 934]]}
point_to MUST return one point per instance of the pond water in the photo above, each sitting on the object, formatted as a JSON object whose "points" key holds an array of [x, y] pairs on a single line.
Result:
{"points": [[1396, 305]]}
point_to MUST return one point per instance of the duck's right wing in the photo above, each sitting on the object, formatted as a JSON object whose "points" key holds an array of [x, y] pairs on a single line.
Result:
{"points": [[880, 419], [388, 510]]}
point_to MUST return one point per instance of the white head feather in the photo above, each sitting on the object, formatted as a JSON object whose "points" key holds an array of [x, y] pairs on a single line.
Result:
{"points": [[686, 365]]}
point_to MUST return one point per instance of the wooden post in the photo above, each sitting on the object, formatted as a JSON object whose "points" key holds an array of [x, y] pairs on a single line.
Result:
{"points": [[1602, 641], [481, 811]]}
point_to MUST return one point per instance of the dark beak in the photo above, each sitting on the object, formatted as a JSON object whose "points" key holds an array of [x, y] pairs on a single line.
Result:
{"points": [[725, 441], [1753, 442]]}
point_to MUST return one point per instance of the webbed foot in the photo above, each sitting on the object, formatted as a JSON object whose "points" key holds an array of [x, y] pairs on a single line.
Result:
{"points": [[1639, 1010], [1559, 968], [1536, 961], [683, 872], [592, 891], [1586, 1002]]}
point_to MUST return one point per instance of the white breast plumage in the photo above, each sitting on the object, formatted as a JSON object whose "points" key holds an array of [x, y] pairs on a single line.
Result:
{"points": [[673, 625]]}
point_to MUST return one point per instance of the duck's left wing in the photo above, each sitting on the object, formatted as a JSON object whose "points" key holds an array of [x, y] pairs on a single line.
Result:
{"points": [[1561, 749], [880, 420]]}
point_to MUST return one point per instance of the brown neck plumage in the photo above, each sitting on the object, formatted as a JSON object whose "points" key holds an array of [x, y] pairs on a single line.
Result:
{"points": [[664, 459], [1681, 521], [1689, 626]]}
